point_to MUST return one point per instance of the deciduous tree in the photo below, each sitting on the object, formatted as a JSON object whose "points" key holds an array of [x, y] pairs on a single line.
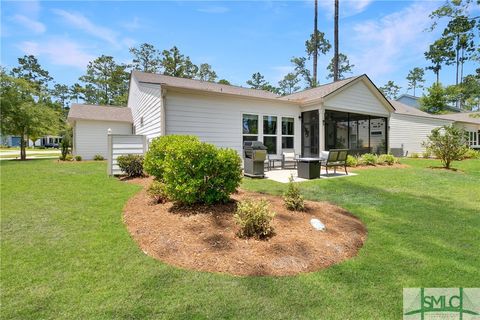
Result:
{"points": [[435, 101], [447, 144]]}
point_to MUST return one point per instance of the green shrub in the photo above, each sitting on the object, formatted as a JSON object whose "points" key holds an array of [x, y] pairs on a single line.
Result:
{"points": [[386, 159], [368, 159], [98, 157], [67, 157], [158, 149], [427, 154], [254, 218], [292, 198], [78, 158], [131, 164], [65, 146], [414, 155], [157, 191], [194, 171], [472, 154], [352, 161], [447, 144]]}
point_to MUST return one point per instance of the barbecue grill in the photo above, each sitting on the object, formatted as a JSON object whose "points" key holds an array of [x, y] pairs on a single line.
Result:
{"points": [[254, 155]]}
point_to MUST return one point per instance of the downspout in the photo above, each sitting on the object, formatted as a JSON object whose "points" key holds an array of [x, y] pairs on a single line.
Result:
{"points": [[163, 113]]}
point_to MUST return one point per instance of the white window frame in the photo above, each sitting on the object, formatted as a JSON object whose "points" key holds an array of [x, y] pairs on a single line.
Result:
{"points": [[258, 126], [287, 135]]}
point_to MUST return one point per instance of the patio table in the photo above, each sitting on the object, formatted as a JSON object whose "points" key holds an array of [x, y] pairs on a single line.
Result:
{"points": [[308, 168]]}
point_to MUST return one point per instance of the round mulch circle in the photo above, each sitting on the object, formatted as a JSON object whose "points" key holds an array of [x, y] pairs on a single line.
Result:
{"points": [[204, 237]]}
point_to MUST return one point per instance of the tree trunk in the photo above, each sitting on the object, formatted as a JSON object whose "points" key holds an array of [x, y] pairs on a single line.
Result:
{"points": [[315, 39], [414, 91], [23, 152], [457, 60], [461, 65], [437, 73], [335, 56]]}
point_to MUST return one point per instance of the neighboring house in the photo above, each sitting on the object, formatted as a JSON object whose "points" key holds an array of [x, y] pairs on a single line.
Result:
{"points": [[470, 122], [413, 101], [91, 125], [45, 141], [351, 113]]}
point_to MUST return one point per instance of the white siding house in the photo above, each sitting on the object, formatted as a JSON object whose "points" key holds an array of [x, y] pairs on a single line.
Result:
{"points": [[348, 114], [91, 125]]}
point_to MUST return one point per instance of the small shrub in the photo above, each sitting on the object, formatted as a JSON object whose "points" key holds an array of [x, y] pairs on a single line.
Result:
{"points": [[292, 198], [65, 145], [352, 161], [254, 218], [447, 144], [194, 171], [78, 158], [68, 157], [131, 164], [157, 191], [368, 159], [158, 149], [98, 157], [414, 155], [472, 154], [427, 154], [386, 159]]}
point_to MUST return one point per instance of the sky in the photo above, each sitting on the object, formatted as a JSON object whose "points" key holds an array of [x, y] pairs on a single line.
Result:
{"points": [[384, 39]]}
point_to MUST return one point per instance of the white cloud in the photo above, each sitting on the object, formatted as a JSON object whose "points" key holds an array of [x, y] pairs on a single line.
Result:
{"points": [[32, 25], [58, 51], [132, 25], [347, 8], [391, 43], [81, 22], [214, 9]]}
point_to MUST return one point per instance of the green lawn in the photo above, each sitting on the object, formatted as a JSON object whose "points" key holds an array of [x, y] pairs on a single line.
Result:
{"points": [[65, 252]]}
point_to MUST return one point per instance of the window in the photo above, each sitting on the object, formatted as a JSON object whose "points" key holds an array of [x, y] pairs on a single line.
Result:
{"points": [[287, 133], [270, 133], [473, 138], [250, 127]]}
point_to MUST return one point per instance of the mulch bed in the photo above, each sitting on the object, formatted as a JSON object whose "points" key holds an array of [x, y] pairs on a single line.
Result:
{"points": [[204, 237]]}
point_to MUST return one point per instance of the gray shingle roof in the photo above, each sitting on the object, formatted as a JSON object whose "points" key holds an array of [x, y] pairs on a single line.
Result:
{"points": [[402, 108], [318, 92], [169, 81], [462, 117], [101, 113]]}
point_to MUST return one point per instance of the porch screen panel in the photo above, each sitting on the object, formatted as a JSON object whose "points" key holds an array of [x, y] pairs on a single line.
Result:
{"points": [[378, 136]]}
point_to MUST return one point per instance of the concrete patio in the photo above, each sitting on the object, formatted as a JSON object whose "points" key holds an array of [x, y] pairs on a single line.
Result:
{"points": [[282, 175]]}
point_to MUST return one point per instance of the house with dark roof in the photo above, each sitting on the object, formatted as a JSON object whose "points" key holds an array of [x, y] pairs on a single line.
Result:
{"points": [[350, 113]]}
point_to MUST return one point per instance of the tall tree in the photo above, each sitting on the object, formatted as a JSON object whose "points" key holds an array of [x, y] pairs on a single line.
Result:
{"points": [[343, 67], [30, 69], [313, 51], [23, 114], [415, 79], [177, 65], [289, 84], [390, 89], [61, 93], [336, 57], [76, 91], [106, 82], [460, 28], [257, 81], [440, 53], [146, 58], [206, 73], [435, 101], [224, 81], [315, 41], [301, 69]]}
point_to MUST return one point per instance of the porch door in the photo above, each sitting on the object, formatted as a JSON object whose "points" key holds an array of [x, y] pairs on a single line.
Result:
{"points": [[310, 134]]}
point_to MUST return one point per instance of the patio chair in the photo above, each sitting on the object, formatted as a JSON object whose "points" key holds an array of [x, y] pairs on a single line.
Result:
{"points": [[289, 158], [336, 158], [271, 160]]}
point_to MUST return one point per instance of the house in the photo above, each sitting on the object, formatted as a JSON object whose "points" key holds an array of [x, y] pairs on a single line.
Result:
{"points": [[413, 101], [47, 141], [350, 113], [92, 123]]}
